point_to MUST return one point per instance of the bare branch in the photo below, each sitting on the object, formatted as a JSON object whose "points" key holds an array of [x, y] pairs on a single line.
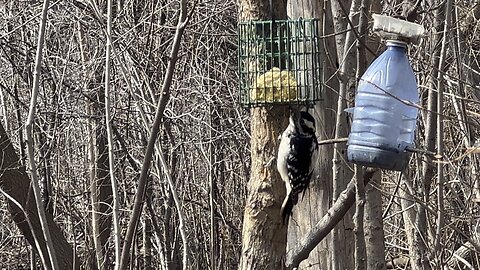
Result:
{"points": [[327, 223], [111, 156], [162, 102], [30, 146]]}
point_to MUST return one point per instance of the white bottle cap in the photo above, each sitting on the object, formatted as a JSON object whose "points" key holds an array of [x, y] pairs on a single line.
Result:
{"points": [[393, 28]]}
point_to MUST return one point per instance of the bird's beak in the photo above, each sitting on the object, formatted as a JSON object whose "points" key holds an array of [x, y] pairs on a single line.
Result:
{"points": [[293, 118]]}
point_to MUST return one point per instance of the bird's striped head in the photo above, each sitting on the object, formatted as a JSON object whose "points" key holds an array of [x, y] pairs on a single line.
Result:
{"points": [[303, 122]]}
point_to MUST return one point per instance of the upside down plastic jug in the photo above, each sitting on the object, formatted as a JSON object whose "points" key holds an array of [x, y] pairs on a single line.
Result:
{"points": [[384, 119]]}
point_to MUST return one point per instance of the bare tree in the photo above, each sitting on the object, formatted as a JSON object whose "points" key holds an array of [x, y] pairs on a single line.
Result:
{"points": [[214, 158], [15, 182]]}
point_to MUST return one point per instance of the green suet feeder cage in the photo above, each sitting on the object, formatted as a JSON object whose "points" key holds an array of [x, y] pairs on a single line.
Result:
{"points": [[279, 62]]}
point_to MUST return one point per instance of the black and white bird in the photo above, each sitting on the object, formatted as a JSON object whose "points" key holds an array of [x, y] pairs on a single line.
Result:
{"points": [[297, 155]]}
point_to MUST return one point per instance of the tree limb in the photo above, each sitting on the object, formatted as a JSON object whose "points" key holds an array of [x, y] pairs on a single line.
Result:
{"points": [[111, 149], [53, 263], [162, 103], [327, 223]]}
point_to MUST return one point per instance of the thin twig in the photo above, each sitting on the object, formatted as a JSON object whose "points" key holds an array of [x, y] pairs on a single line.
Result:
{"points": [[111, 156], [331, 141], [440, 143], [352, 27], [30, 225], [162, 102], [178, 206]]}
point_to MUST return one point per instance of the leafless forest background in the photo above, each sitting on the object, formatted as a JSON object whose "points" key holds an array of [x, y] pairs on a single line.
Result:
{"points": [[429, 213]]}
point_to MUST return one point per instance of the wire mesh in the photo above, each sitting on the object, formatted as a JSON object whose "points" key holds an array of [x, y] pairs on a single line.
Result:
{"points": [[279, 62]]}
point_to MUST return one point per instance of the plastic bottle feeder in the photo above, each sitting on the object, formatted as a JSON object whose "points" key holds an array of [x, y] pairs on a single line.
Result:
{"points": [[385, 112]]}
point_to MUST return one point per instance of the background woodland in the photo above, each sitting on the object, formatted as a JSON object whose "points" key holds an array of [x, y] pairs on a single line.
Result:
{"points": [[175, 126]]}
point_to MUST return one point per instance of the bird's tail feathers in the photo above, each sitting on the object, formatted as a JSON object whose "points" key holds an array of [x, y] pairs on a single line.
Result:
{"points": [[287, 206]]}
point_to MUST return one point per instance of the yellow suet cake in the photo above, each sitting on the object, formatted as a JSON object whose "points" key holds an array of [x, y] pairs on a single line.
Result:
{"points": [[277, 85]]}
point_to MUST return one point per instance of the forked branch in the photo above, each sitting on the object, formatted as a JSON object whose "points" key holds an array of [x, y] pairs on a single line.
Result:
{"points": [[327, 223]]}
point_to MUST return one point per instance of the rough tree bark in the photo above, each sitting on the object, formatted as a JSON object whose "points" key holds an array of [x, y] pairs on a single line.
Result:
{"points": [[317, 200], [264, 234], [438, 248], [374, 234]]}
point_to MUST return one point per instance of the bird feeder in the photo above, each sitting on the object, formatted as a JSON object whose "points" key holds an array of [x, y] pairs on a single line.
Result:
{"points": [[385, 112], [279, 62]]}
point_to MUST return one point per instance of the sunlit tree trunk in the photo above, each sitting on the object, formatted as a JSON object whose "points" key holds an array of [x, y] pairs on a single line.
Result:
{"points": [[264, 236], [317, 199], [374, 233]]}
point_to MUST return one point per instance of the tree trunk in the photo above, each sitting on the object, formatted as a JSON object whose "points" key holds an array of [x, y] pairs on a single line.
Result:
{"points": [[101, 190], [264, 234], [15, 183], [147, 246], [318, 199], [374, 235], [342, 257], [46, 176], [413, 220]]}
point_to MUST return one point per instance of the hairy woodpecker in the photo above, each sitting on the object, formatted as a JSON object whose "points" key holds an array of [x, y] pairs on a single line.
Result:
{"points": [[296, 158]]}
